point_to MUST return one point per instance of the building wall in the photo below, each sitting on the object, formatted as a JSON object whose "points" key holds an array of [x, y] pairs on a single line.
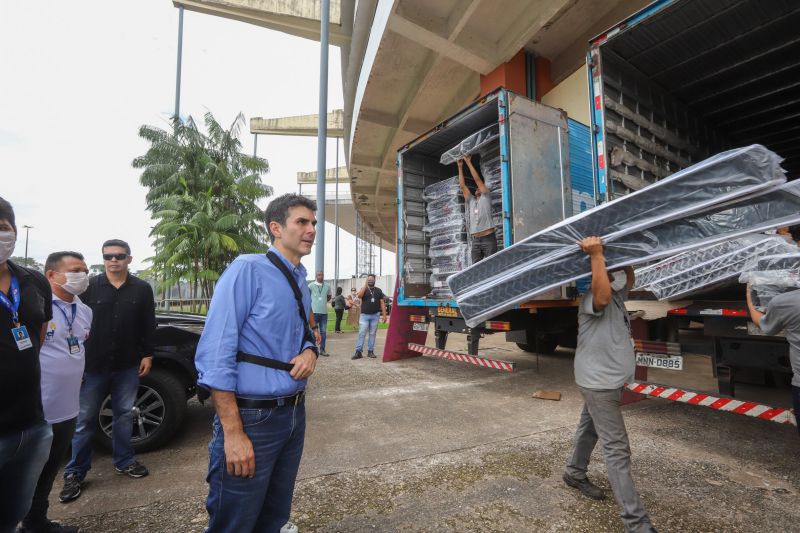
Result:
{"points": [[571, 95]]}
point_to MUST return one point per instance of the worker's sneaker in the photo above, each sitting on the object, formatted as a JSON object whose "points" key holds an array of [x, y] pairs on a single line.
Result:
{"points": [[135, 469], [323, 353], [587, 488], [357, 355], [72, 488], [371, 354]]}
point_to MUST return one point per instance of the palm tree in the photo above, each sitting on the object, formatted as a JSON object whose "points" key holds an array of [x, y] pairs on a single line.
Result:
{"points": [[203, 193]]}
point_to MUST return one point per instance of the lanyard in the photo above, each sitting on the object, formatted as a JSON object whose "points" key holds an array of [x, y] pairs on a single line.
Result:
{"points": [[69, 321], [12, 305], [624, 315], [320, 291]]}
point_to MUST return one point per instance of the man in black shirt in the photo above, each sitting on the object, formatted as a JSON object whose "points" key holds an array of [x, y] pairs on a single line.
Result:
{"points": [[119, 352], [372, 301], [25, 437]]}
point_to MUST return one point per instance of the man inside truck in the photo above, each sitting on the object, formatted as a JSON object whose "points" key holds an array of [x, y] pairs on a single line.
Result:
{"points": [[479, 213], [783, 313], [604, 362]]}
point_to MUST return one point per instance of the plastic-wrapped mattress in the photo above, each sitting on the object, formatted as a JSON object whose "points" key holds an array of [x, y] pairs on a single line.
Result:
{"points": [[772, 275], [471, 144], [707, 267], [725, 196]]}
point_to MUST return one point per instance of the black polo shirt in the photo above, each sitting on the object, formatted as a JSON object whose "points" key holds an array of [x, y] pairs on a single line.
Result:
{"points": [[123, 325], [20, 377], [371, 302]]}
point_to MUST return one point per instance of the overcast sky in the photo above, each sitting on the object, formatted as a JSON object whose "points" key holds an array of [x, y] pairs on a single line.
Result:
{"points": [[79, 78]]}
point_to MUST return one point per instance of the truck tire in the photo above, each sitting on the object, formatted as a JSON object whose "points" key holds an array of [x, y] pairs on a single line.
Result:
{"points": [[544, 345], [158, 412]]}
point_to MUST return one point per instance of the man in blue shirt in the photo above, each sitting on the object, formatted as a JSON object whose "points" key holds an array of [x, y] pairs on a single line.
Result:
{"points": [[259, 427]]}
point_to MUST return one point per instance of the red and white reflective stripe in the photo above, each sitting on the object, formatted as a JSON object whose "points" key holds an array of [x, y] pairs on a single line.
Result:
{"points": [[497, 364], [764, 412]]}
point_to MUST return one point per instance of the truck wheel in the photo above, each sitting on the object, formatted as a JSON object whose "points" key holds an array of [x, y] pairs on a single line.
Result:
{"points": [[158, 412], [546, 344]]}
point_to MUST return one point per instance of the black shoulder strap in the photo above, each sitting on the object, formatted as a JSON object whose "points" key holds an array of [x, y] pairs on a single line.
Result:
{"points": [[268, 362], [298, 296]]}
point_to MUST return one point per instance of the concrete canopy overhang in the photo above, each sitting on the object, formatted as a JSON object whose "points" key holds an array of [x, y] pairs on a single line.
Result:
{"points": [[299, 125], [423, 63], [295, 17]]}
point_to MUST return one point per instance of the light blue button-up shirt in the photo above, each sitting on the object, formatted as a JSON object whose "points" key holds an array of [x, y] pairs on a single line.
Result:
{"points": [[253, 311]]}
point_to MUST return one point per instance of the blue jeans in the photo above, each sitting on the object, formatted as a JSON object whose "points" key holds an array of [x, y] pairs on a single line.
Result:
{"points": [[367, 322], [261, 503], [322, 321], [22, 456], [123, 386], [796, 403]]}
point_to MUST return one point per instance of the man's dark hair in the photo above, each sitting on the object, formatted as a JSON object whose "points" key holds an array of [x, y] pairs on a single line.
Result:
{"points": [[278, 209], [7, 212], [338, 291], [794, 231], [117, 242], [372, 275], [55, 258]]}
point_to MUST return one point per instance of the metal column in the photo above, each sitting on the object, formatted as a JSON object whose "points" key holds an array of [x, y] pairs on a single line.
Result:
{"points": [[336, 223], [180, 60], [322, 134]]}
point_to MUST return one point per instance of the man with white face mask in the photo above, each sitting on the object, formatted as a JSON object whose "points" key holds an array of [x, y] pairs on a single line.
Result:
{"points": [[604, 362], [62, 362], [24, 435]]}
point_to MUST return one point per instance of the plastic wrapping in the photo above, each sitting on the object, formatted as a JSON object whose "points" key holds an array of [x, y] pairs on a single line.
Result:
{"points": [[491, 171], [772, 275], [441, 189], [787, 261], [707, 267], [471, 144], [446, 229], [724, 177], [725, 197]]}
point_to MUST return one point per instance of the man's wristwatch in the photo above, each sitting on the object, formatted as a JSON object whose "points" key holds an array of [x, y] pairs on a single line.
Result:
{"points": [[316, 326]]}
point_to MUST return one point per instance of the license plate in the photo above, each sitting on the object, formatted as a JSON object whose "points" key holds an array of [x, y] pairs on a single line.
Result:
{"points": [[657, 360], [420, 326], [449, 312]]}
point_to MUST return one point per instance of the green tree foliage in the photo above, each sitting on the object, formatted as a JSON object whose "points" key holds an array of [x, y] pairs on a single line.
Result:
{"points": [[29, 262], [202, 193]]}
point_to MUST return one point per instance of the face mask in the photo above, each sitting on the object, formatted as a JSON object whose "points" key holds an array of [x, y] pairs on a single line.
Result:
{"points": [[7, 241], [77, 282], [620, 281]]}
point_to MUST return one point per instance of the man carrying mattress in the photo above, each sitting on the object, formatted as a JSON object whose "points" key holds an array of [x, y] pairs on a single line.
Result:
{"points": [[604, 361]]}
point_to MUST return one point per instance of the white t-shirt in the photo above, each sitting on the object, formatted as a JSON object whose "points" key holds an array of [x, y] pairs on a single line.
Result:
{"points": [[62, 371]]}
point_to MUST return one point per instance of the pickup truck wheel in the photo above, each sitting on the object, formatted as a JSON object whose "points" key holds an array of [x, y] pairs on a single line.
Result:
{"points": [[158, 412]]}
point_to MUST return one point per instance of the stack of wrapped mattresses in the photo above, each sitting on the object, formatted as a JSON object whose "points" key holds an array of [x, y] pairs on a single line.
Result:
{"points": [[727, 196], [447, 233], [709, 267], [491, 174], [772, 275]]}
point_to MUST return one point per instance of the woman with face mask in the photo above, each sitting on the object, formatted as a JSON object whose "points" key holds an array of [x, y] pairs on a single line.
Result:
{"points": [[25, 437]]}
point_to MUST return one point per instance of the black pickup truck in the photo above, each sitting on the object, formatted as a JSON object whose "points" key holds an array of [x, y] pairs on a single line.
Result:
{"points": [[160, 405]]}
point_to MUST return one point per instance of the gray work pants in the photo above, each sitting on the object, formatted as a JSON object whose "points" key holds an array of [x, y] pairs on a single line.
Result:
{"points": [[602, 417]]}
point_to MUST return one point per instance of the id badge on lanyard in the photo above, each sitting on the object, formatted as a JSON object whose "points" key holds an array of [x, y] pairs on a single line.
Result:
{"points": [[19, 331]]}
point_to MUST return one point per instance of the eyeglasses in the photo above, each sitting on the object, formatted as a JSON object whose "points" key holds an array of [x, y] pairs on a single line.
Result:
{"points": [[118, 257]]}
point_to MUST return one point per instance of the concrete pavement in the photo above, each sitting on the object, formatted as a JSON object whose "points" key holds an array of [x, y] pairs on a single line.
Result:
{"points": [[433, 445]]}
